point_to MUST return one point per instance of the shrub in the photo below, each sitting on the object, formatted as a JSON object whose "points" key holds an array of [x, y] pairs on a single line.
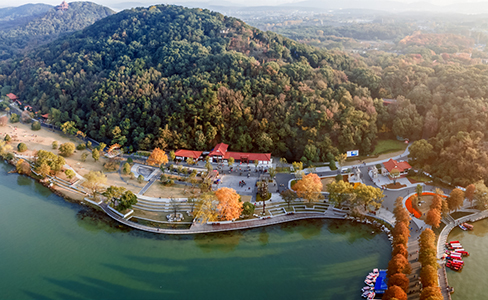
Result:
{"points": [[7, 138], [126, 168], [130, 160], [55, 145], [84, 155], [248, 208], [14, 118], [81, 146], [338, 177], [69, 173], [259, 198], [21, 147], [67, 149], [36, 125], [89, 145]]}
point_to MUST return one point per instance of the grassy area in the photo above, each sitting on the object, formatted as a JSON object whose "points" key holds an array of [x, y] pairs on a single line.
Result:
{"points": [[387, 146], [418, 178]]}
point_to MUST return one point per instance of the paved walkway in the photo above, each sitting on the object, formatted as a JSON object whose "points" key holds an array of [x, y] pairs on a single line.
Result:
{"points": [[207, 228]]}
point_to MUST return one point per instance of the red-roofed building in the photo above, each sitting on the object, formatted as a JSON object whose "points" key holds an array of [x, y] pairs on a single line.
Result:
{"points": [[188, 153], [248, 157], [12, 97], [219, 150], [28, 107], [401, 166], [46, 116]]}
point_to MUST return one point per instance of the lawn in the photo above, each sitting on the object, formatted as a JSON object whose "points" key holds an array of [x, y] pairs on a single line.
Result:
{"points": [[387, 146], [159, 190]]}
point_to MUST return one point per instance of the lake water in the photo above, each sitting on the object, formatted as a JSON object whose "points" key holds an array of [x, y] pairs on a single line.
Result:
{"points": [[470, 282], [53, 249]]}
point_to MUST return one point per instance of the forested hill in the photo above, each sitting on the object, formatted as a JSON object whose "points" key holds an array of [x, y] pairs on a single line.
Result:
{"points": [[173, 77], [10, 15], [49, 26]]}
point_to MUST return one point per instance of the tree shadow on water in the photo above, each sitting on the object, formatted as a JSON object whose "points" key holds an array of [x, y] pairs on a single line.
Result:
{"points": [[223, 242]]}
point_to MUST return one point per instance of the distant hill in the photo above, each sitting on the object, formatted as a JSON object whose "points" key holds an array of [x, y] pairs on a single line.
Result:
{"points": [[16, 16], [49, 26], [171, 77]]}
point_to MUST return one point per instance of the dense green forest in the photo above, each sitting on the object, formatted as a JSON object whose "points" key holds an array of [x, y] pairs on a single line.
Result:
{"points": [[45, 27], [171, 77], [187, 78]]}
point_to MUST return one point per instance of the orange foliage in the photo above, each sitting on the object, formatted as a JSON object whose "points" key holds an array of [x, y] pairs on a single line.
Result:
{"points": [[433, 217], [114, 146], [309, 187], [395, 292], [410, 208], [229, 206], [157, 157]]}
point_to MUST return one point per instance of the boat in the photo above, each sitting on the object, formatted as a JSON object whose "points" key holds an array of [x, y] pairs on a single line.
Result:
{"points": [[367, 289], [454, 242], [468, 226], [462, 227], [376, 271], [371, 296], [365, 294]]}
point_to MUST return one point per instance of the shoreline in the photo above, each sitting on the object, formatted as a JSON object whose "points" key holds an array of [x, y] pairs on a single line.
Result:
{"points": [[207, 228]]}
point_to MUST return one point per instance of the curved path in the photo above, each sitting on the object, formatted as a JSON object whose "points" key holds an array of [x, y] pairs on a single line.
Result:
{"points": [[206, 228]]}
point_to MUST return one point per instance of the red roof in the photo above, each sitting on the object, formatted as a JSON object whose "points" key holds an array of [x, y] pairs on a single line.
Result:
{"points": [[12, 96], [219, 150], [400, 166], [46, 116], [248, 156], [188, 153]]}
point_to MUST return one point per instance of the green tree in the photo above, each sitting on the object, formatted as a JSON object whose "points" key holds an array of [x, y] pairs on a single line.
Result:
{"points": [[272, 172], [340, 192], [418, 190], [113, 193], [127, 200], [55, 145], [95, 155], [36, 126], [21, 147], [140, 179], [288, 196], [94, 181], [7, 138], [84, 156], [126, 168], [67, 149], [172, 155], [69, 127], [14, 118], [69, 173], [231, 161], [248, 208]]}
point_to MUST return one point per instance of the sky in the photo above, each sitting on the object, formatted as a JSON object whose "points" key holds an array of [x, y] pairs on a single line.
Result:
{"points": [[110, 3]]}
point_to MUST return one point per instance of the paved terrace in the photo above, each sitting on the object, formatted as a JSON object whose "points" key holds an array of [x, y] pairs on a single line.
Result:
{"points": [[238, 225]]}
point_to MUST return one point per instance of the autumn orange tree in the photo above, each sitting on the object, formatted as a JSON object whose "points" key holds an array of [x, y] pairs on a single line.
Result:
{"points": [[431, 293], [433, 217], [399, 249], [394, 292], [428, 276], [400, 280], [455, 199], [309, 187], [398, 264], [157, 157], [469, 193], [229, 206]]}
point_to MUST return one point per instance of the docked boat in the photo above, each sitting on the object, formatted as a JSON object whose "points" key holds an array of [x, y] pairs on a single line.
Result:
{"points": [[468, 226], [462, 227]]}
